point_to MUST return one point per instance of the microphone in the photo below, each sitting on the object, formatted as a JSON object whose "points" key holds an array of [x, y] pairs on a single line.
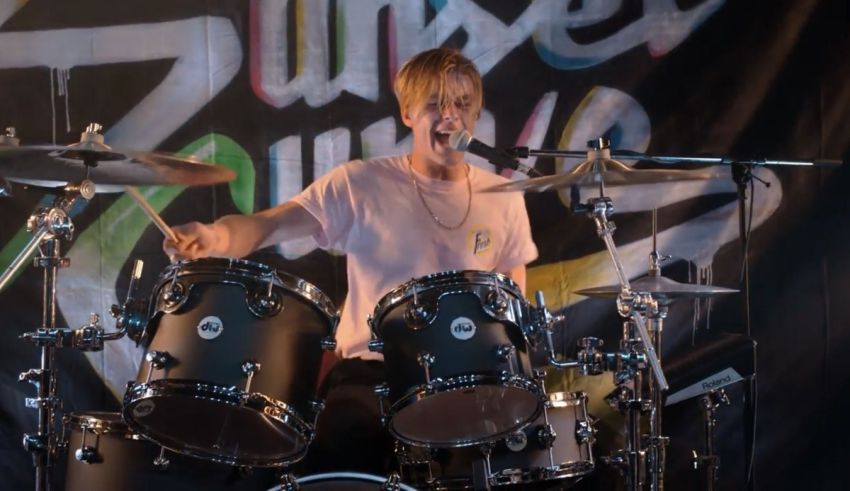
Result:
{"points": [[462, 141]]}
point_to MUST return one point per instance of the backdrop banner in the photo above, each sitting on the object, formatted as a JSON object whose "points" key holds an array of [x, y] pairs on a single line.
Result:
{"points": [[283, 91]]}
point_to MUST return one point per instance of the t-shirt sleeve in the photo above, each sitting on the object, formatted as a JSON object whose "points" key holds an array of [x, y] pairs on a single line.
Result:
{"points": [[519, 248], [328, 199]]}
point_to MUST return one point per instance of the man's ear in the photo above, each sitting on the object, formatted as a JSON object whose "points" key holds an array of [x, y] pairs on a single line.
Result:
{"points": [[406, 117]]}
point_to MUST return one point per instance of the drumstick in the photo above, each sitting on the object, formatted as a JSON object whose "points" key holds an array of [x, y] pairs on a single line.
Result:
{"points": [[151, 213]]}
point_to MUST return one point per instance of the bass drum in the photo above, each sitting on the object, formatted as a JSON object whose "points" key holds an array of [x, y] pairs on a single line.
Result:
{"points": [[233, 363]]}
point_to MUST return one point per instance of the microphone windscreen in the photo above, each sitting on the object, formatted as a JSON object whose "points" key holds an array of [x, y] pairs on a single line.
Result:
{"points": [[459, 140]]}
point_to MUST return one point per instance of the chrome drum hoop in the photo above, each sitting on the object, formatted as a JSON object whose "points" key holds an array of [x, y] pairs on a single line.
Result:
{"points": [[98, 423], [449, 283], [274, 409], [569, 470], [241, 272], [359, 479], [463, 382]]}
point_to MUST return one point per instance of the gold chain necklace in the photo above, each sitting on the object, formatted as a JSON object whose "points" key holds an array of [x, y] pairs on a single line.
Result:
{"points": [[430, 211]]}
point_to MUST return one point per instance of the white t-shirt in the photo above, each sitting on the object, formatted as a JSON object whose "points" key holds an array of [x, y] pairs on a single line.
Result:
{"points": [[370, 210]]}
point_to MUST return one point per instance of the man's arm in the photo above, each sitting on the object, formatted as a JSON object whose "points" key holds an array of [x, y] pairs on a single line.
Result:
{"points": [[240, 235]]}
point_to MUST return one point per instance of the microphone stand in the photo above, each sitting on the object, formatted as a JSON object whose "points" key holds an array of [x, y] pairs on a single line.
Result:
{"points": [[742, 175]]}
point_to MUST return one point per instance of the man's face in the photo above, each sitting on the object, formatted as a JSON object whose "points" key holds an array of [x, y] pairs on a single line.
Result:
{"points": [[432, 125]]}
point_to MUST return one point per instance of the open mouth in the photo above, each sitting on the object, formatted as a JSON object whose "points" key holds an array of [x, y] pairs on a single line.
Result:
{"points": [[442, 137]]}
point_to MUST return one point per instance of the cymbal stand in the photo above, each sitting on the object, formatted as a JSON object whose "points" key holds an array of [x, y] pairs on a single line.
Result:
{"points": [[637, 352], [656, 443], [48, 226], [628, 397], [637, 349]]}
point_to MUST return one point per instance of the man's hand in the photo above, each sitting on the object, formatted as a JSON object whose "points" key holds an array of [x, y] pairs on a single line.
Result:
{"points": [[194, 240]]}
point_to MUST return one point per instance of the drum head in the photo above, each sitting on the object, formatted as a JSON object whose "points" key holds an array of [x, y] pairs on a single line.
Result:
{"points": [[345, 481], [215, 429], [465, 416]]}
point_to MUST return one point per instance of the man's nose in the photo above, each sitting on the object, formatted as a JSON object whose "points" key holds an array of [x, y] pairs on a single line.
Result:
{"points": [[449, 113]]}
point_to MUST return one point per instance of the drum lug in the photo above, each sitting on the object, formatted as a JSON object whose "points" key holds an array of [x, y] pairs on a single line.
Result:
{"points": [[382, 391], [429, 388], [426, 360], [328, 343], [546, 436], [249, 368], [317, 406], [497, 303], [157, 361], [288, 483], [393, 483], [418, 316], [516, 441], [585, 432], [161, 462], [265, 302], [376, 345], [506, 351], [85, 454], [174, 297], [505, 376]]}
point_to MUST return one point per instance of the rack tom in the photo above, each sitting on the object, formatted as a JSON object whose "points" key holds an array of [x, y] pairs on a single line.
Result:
{"points": [[233, 363], [457, 357]]}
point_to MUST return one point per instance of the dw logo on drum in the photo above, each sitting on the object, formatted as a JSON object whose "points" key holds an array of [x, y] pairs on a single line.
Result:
{"points": [[210, 327], [462, 328]]}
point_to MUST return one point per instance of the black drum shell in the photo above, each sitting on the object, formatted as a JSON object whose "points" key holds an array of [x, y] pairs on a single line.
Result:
{"points": [[452, 468], [199, 401], [452, 357], [124, 461], [287, 345], [458, 366]]}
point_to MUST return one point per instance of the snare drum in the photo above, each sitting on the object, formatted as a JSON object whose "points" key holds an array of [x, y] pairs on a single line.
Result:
{"points": [[233, 363], [557, 446], [458, 370]]}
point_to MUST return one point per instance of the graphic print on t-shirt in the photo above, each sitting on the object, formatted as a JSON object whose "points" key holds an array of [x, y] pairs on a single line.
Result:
{"points": [[479, 240]]}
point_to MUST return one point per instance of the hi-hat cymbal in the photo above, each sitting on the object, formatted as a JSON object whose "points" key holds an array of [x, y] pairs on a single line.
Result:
{"points": [[602, 170], [50, 165], [660, 288]]}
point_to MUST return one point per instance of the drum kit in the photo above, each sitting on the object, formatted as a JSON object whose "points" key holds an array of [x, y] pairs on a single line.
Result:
{"points": [[234, 348]]}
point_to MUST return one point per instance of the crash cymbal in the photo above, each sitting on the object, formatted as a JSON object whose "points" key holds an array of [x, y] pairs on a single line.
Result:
{"points": [[601, 170], [660, 288], [50, 165]]}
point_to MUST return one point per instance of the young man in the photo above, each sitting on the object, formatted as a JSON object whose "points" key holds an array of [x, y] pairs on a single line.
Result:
{"points": [[396, 218]]}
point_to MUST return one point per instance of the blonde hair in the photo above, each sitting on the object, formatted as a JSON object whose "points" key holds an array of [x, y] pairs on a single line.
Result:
{"points": [[440, 71]]}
